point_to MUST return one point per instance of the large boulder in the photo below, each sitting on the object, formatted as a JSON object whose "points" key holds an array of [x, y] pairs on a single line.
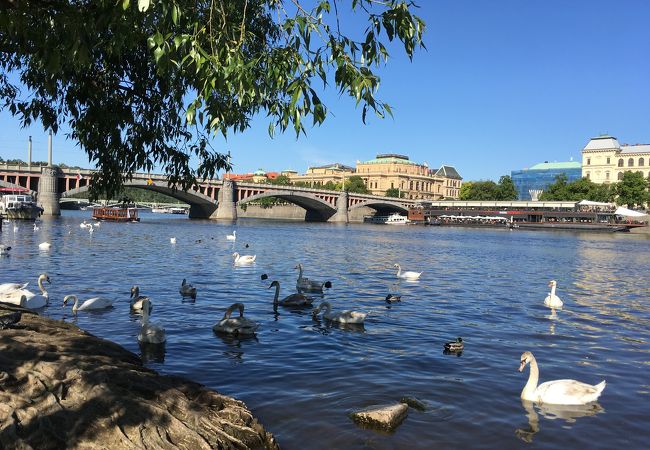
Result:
{"points": [[385, 418], [61, 387]]}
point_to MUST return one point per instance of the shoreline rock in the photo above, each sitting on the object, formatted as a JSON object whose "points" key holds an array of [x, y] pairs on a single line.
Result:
{"points": [[386, 418], [61, 387]]}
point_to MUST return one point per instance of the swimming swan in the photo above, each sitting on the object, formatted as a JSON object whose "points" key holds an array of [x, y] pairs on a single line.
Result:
{"points": [[238, 325], [44, 245], [293, 300], [137, 299], [556, 392], [8, 288], [90, 304], [232, 237], [150, 333], [187, 290], [172, 240], [552, 300], [341, 317], [407, 275], [305, 284], [243, 259], [33, 301], [4, 249]]}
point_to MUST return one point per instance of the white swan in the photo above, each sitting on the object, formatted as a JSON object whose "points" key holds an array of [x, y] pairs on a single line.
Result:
{"points": [[35, 228], [556, 392], [305, 284], [4, 249], [187, 290], [7, 288], [407, 275], [44, 245], [97, 224], [91, 303], [32, 303], [137, 299], [232, 237], [552, 300], [346, 316], [243, 259], [172, 240], [14, 297], [239, 326], [150, 333], [293, 300], [91, 229], [84, 224]]}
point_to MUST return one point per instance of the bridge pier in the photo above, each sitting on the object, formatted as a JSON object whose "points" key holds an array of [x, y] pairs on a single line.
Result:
{"points": [[48, 197], [227, 204], [341, 215]]}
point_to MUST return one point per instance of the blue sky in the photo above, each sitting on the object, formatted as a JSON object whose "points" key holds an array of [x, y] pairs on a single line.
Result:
{"points": [[502, 85]]}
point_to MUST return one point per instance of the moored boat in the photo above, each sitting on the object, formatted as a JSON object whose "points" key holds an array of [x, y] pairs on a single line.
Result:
{"points": [[19, 206], [393, 219], [116, 214]]}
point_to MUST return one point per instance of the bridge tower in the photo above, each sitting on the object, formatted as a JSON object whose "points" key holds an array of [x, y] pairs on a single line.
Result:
{"points": [[341, 215], [48, 197], [227, 206]]}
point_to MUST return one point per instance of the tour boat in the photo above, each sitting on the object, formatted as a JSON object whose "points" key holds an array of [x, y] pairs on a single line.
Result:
{"points": [[19, 206], [116, 214], [393, 219]]}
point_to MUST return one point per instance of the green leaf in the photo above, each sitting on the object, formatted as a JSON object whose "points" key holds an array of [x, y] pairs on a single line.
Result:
{"points": [[143, 5], [125, 4]]}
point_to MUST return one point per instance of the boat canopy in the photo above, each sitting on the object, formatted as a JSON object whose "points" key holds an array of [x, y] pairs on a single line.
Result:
{"points": [[620, 211], [590, 203]]}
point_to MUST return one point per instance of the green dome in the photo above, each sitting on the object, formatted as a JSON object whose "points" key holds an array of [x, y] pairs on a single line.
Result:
{"points": [[259, 173]]}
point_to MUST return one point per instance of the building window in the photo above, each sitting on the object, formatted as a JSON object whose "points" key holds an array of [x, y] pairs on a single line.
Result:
{"points": [[620, 162], [630, 162], [411, 185], [641, 162], [391, 185], [620, 176], [608, 160], [607, 175], [587, 175], [588, 161]]}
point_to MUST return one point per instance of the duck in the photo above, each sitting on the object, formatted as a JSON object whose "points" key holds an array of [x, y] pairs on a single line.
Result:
{"points": [[137, 299], [232, 237], [44, 245], [391, 298], [32, 301], [187, 290], [293, 300], [172, 240], [407, 275], [556, 392], [238, 326], [346, 316], [552, 300], [243, 259], [7, 288], [455, 346], [90, 304], [150, 333], [7, 320], [4, 249], [305, 284]]}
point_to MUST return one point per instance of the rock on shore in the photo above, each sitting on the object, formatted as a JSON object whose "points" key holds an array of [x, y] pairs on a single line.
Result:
{"points": [[61, 387], [386, 418]]}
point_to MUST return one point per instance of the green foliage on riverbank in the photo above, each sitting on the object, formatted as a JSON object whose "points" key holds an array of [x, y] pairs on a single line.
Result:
{"points": [[489, 190]]}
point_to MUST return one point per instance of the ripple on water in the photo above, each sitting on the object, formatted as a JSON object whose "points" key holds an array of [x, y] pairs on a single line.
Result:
{"points": [[302, 376]]}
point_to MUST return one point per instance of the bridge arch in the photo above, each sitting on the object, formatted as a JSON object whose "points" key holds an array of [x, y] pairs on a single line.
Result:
{"points": [[317, 208], [201, 206], [381, 205]]}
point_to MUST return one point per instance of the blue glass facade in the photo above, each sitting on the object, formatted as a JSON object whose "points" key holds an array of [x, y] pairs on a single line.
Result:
{"points": [[540, 177]]}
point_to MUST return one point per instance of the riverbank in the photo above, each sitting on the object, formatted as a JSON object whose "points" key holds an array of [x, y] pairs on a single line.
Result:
{"points": [[61, 387]]}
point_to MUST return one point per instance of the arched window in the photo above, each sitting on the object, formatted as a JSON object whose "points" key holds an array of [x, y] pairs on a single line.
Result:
{"points": [[641, 162], [417, 185], [620, 176], [630, 162], [588, 161], [620, 162]]}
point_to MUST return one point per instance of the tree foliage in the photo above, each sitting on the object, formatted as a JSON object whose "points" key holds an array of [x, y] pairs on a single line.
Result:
{"points": [[582, 189], [506, 189], [632, 190], [489, 190], [145, 84], [356, 185], [392, 192]]}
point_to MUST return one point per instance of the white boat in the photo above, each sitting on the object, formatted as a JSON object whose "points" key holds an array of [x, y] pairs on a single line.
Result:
{"points": [[19, 206], [393, 219], [175, 210]]}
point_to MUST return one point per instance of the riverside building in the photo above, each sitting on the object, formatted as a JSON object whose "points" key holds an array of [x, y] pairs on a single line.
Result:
{"points": [[530, 183], [604, 160]]}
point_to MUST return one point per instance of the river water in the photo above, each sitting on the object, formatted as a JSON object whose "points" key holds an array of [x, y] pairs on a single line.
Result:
{"points": [[302, 377]]}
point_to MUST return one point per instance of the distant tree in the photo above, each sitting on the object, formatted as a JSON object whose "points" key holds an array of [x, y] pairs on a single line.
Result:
{"points": [[281, 180], [465, 190], [506, 189], [582, 189], [632, 190], [393, 192], [356, 185], [330, 186], [557, 191], [481, 190]]}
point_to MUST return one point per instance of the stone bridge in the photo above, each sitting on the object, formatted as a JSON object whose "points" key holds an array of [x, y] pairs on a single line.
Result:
{"points": [[214, 199]]}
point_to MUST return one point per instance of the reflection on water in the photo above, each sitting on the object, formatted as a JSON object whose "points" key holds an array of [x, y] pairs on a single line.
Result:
{"points": [[301, 376], [152, 353], [567, 413]]}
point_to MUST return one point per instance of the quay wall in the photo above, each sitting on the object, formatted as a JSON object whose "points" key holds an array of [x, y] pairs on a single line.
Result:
{"points": [[293, 212]]}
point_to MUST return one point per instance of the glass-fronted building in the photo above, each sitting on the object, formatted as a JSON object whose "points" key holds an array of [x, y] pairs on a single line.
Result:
{"points": [[531, 182]]}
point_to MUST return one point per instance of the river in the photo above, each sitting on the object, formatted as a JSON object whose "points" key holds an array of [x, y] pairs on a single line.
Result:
{"points": [[303, 377]]}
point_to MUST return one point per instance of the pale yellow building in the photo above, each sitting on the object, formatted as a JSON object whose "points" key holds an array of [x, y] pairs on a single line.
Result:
{"points": [[604, 160], [413, 180], [320, 175]]}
